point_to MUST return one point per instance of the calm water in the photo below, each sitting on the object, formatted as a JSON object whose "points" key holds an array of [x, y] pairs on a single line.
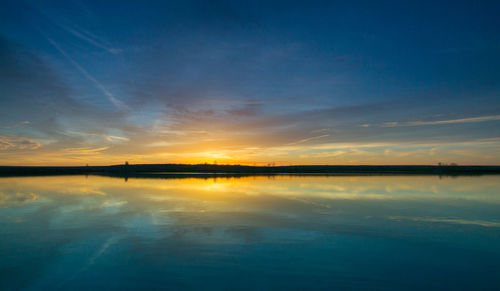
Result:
{"points": [[91, 232]]}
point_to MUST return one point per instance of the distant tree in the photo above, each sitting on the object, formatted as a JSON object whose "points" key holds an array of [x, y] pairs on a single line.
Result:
{"points": [[126, 163]]}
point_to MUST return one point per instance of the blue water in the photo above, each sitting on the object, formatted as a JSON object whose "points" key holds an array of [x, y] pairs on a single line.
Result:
{"points": [[376, 233]]}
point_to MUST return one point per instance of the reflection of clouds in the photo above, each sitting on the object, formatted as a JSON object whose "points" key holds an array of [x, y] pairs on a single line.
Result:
{"points": [[101, 250], [209, 194], [82, 191], [109, 203], [186, 220], [252, 201], [248, 234], [87, 264], [14, 199], [62, 185], [484, 223]]}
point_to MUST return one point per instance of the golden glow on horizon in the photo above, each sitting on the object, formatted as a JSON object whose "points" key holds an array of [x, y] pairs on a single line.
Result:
{"points": [[189, 152], [361, 158]]}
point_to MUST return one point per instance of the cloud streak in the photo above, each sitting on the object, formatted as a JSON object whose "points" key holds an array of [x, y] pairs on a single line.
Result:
{"points": [[439, 122], [308, 139], [119, 104], [91, 39]]}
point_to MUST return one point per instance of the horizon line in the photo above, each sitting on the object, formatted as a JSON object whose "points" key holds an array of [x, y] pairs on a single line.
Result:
{"points": [[266, 165]]}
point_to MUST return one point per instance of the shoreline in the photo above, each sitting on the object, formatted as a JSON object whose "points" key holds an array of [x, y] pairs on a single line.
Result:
{"points": [[202, 170]]}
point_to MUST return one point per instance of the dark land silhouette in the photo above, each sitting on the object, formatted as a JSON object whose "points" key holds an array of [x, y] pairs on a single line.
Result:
{"points": [[208, 170]]}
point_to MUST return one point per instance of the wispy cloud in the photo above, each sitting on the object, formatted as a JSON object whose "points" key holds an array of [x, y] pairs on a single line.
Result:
{"points": [[308, 139], [107, 137], [17, 143], [18, 124], [79, 32], [438, 122], [91, 39], [84, 150], [111, 97], [365, 145]]}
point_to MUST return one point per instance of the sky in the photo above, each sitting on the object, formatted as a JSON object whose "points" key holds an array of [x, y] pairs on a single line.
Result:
{"points": [[249, 82]]}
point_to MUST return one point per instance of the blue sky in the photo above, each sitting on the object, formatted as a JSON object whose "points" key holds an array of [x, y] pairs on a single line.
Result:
{"points": [[308, 82]]}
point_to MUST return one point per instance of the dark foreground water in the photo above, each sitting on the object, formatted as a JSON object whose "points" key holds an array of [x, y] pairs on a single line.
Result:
{"points": [[337, 233]]}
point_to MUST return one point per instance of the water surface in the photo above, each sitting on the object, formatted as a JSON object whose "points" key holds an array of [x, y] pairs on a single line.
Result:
{"points": [[366, 232]]}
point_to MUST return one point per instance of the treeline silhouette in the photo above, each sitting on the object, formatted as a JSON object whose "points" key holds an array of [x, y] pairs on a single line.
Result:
{"points": [[152, 170]]}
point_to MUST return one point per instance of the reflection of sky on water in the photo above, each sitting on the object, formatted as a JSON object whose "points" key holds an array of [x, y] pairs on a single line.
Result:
{"points": [[383, 232]]}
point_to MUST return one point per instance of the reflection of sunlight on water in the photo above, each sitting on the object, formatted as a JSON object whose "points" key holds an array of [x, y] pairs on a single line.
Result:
{"points": [[142, 202], [92, 225], [19, 190], [73, 199]]}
